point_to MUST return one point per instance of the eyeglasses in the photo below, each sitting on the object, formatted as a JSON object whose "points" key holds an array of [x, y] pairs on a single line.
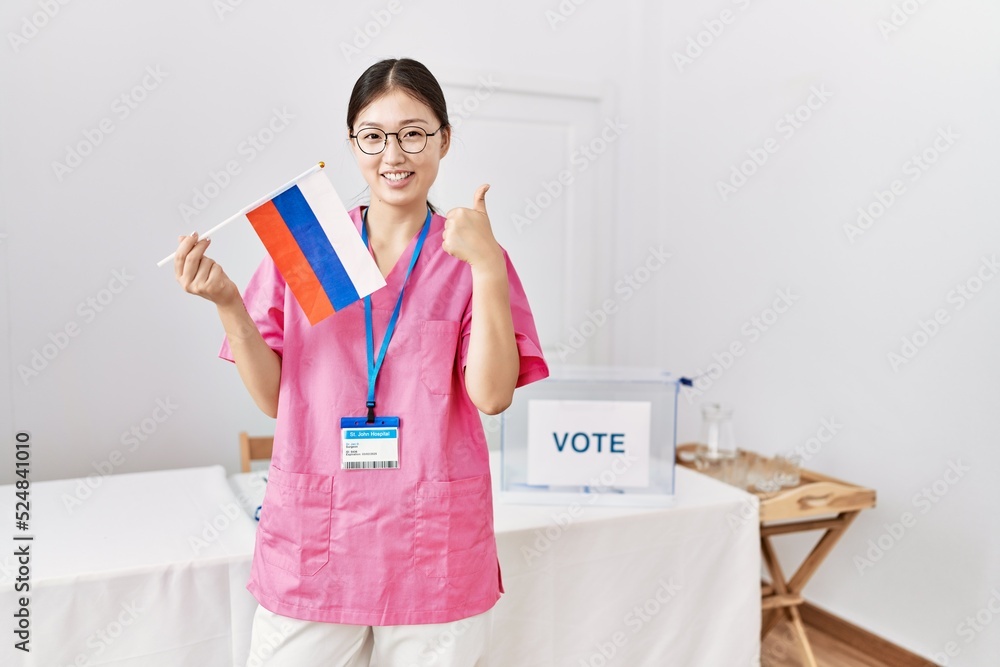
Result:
{"points": [[411, 139]]}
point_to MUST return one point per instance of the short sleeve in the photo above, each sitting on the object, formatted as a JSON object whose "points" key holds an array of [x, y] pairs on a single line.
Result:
{"points": [[264, 299], [529, 349]]}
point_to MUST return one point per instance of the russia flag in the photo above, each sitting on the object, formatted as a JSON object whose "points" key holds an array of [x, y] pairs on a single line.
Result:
{"points": [[316, 247]]}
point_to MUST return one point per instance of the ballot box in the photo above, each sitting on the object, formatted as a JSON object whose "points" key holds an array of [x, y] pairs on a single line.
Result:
{"points": [[601, 435]]}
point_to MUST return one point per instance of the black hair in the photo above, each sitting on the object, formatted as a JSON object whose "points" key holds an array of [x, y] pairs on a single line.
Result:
{"points": [[404, 74]]}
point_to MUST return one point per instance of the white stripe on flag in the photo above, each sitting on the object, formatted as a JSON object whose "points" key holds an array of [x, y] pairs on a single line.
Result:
{"points": [[336, 222]]}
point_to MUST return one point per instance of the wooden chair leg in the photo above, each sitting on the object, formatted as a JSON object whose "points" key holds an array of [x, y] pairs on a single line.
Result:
{"points": [[780, 586], [819, 553], [244, 452], [800, 631], [791, 612], [777, 585]]}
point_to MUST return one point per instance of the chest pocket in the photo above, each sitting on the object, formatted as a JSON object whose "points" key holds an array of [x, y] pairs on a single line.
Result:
{"points": [[438, 352], [295, 521]]}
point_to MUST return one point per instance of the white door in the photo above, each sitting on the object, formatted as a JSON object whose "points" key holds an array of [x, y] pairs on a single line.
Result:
{"points": [[537, 145]]}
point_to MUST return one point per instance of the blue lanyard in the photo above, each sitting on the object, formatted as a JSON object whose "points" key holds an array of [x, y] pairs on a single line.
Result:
{"points": [[375, 365]]}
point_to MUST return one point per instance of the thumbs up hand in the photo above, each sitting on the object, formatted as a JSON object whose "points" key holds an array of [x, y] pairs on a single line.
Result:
{"points": [[468, 235]]}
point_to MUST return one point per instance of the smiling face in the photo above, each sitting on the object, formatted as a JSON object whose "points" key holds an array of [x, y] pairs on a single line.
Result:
{"points": [[398, 178]]}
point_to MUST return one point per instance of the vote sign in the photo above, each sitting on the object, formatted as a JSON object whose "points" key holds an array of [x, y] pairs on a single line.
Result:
{"points": [[589, 443]]}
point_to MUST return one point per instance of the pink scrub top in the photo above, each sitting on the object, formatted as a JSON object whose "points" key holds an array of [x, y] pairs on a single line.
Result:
{"points": [[381, 547]]}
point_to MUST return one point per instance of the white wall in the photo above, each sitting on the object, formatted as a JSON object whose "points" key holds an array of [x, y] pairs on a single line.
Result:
{"points": [[825, 358], [903, 425]]}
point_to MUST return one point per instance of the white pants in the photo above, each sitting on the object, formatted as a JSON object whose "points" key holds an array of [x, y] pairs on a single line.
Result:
{"points": [[280, 641]]}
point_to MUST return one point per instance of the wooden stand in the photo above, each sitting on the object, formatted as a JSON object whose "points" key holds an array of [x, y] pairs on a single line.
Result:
{"points": [[794, 510]]}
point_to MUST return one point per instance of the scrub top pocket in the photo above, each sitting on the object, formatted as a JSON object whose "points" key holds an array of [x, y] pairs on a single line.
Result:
{"points": [[438, 351], [453, 536], [295, 521]]}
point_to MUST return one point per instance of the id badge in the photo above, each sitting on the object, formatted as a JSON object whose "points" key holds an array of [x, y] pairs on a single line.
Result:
{"points": [[365, 446]]}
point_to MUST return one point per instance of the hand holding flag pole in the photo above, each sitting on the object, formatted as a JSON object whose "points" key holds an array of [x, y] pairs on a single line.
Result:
{"points": [[247, 209]]}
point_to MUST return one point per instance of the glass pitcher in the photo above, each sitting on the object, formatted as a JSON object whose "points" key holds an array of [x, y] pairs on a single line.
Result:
{"points": [[717, 432], [716, 454]]}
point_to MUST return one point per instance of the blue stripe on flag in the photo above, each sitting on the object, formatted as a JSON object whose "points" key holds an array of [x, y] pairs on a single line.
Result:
{"points": [[316, 247]]}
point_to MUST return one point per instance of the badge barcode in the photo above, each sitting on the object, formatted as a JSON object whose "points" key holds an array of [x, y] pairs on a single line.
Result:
{"points": [[369, 465]]}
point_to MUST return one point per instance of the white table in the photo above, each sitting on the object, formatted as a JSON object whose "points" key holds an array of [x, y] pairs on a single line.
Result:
{"points": [[652, 587], [133, 570], [141, 562]]}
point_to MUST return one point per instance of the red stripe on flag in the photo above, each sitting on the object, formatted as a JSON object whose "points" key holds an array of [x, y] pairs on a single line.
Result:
{"points": [[292, 264]]}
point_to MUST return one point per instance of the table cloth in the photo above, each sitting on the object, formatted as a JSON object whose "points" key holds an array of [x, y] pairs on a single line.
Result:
{"points": [[149, 570]]}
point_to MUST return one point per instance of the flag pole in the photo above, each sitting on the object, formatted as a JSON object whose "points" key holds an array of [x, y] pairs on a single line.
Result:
{"points": [[247, 209]]}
